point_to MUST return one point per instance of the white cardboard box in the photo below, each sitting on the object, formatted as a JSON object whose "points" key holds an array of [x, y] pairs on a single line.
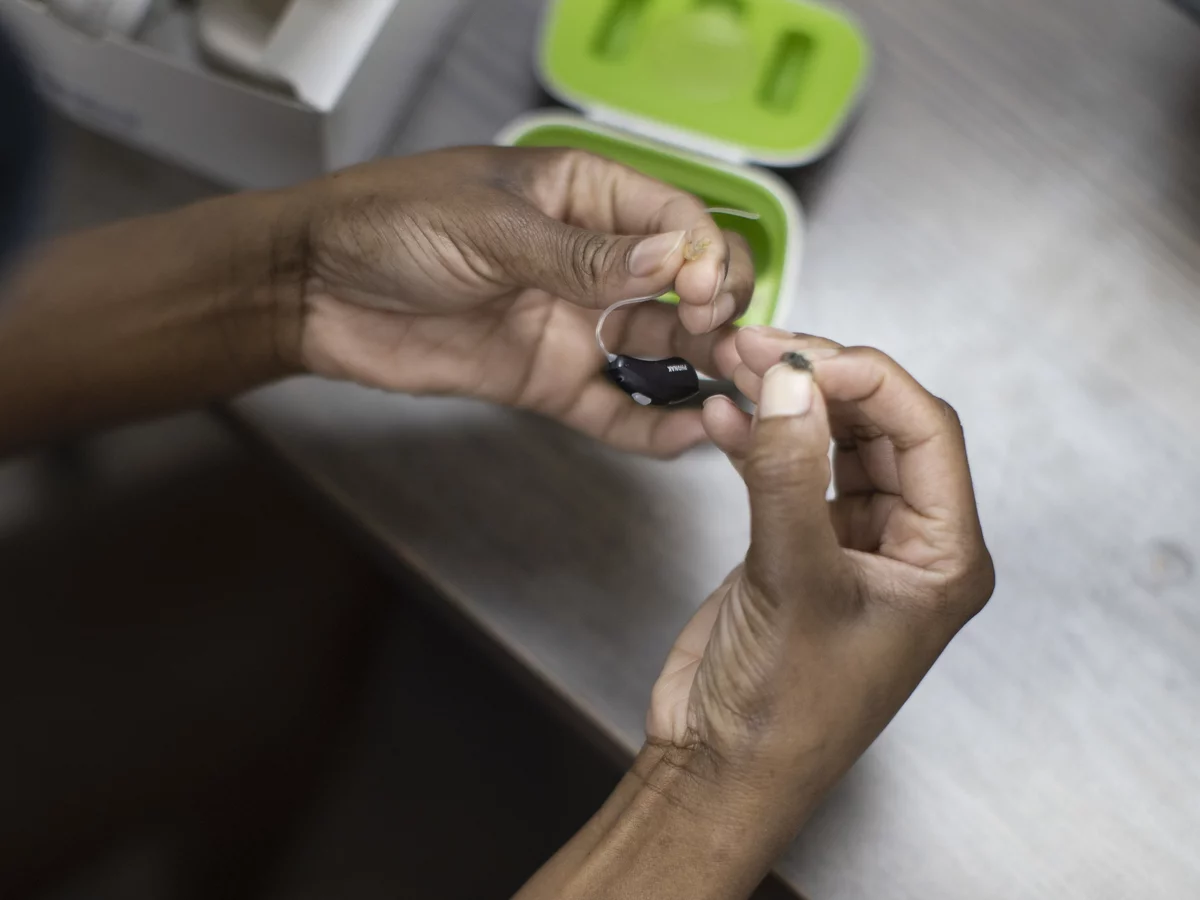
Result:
{"points": [[173, 104]]}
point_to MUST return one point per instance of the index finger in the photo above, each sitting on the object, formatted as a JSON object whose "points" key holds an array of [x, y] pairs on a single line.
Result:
{"points": [[598, 194], [930, 450]]}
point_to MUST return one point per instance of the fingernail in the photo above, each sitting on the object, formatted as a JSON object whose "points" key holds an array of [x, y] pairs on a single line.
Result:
{"points": [[724, 309], [653, 253], [768, 331], [796, 361], [695, 248], [786, 391]]}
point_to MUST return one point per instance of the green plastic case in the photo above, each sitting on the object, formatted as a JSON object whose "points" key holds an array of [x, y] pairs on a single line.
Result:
{"points": [[695, 91], [767, 81]]}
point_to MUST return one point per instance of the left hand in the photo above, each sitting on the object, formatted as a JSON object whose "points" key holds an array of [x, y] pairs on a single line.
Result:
{"points": [[481, 272]]}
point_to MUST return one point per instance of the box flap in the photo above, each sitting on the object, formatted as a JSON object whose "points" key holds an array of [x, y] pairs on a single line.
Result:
{"points": [[313, 47]]}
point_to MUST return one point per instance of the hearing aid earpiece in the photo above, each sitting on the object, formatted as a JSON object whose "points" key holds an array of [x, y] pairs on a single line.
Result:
{"points": [[654, 382]]}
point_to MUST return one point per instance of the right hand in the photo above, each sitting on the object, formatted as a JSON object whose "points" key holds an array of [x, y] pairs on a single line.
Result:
{"points": [[796, 663]]}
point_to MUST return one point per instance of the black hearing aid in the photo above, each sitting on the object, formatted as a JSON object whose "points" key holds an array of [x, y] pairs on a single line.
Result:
{"points": [[654, 382]]}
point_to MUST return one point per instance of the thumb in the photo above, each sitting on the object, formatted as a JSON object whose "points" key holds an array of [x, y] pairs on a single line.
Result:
{"points": [[793, 544], [593, 269]]}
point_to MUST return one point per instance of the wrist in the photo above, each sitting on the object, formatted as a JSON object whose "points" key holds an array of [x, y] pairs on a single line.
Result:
{"points": [[151, 315], [683, 826], [265, 270]]}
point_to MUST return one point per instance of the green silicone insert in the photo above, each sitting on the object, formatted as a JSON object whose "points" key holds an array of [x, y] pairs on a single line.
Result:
{"points": [[767, 236], [776, 78]]}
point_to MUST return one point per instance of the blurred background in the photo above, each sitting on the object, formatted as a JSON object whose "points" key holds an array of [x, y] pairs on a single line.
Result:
{"points": [[290, 648]]}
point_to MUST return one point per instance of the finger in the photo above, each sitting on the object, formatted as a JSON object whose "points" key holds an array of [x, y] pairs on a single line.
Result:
{"points": [[926, 438], [793, 543], [598, 195], [865, 460], [605, 412], [728, 427], [652, 330], [760, 347], [850, 474], [747, 382], [738, 288], [701, 312], [859, 520], [710, 256], [858, 516], [588, 268]]}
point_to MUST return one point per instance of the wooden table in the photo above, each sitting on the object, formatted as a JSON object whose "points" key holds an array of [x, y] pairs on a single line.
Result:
{"points": [[1015, 217]]}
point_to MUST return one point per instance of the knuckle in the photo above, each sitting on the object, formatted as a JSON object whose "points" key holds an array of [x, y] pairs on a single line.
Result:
{"points": [[963, 593], [949, 413], [683, 210], [983, 582], [573, 159], [880, 368], [533, 173], [780, 466], [570, 171], [873, 355], [555, 162], [686, 204], [591, 258], [864, 433], [885, 370]]}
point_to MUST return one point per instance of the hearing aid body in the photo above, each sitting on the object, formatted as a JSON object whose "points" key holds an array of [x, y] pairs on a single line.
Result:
{"points": [[654, 382]]}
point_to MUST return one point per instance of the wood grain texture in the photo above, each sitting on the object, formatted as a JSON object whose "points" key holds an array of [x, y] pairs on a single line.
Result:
{"points": [[1016, 218]]}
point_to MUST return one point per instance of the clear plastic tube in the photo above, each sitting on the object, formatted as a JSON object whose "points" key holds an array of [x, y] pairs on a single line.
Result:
{"points": [[712, 211]]}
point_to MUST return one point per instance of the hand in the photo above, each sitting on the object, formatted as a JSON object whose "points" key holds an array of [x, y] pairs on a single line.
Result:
{"points": [[796, 663], [481, 272]]}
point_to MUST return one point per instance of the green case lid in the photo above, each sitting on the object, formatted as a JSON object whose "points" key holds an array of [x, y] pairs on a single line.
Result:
{"points": [[767, 81]]}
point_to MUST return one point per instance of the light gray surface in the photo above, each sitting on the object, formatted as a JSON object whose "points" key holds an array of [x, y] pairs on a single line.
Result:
{"points": [[1015, 218]]}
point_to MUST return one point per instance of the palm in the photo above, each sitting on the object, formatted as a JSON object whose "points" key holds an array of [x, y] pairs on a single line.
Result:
{"points": [[526, 349], [502, 350]]}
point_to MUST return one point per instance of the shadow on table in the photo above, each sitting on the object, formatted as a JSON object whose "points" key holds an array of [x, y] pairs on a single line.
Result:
{"points": [[208, 693]]}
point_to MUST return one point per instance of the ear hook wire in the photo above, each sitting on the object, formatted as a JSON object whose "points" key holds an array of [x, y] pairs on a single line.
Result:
{"points": [[712, 211]]}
